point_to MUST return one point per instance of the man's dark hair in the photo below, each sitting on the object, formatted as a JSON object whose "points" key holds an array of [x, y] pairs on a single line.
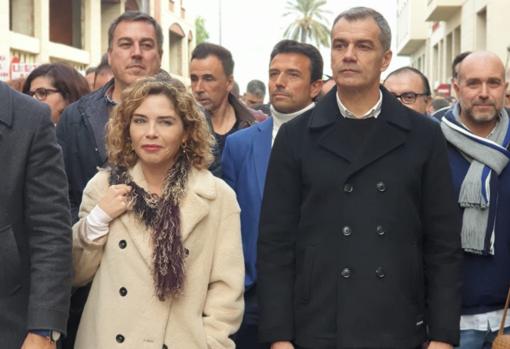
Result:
{"points": [[103, 65], [456, 61], [135, 16], [424, 80], [291, 46], [206, 49], [439, 103], [360, 13], [256, 88], [102, 68]]}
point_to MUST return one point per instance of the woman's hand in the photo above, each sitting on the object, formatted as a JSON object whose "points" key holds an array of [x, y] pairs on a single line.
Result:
{"points": [[34, 341], [116, 200], [282, 345]]}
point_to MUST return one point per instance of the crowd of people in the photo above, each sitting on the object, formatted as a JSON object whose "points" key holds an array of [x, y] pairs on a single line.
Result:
{"points": [[348, 212]]}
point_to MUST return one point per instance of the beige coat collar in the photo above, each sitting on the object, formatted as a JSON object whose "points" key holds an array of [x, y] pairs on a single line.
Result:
{"points": [[200, 190]]}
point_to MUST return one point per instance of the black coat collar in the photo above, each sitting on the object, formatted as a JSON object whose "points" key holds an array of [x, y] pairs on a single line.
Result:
{"points": [[390, 132], [326, 111]]}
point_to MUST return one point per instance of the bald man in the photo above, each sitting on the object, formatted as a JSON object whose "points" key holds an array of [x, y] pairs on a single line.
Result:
{"points": [[411, 88], [477, 131]]}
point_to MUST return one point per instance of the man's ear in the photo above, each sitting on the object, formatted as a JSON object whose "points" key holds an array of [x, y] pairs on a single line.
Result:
{"points": [[428, 102], [386, 60], [315, 88], [230, 82], [456, 86], [109, 52]]}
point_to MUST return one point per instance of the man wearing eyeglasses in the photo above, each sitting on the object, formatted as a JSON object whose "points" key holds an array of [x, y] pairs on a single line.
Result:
{"points": [[410, 87]]}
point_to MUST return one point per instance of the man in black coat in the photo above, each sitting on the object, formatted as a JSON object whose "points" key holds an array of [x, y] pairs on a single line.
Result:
{"points": [[35, 226], [359, 242]]}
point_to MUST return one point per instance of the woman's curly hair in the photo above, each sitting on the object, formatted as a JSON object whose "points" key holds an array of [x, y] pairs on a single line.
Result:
{"points": [[200, 141]]}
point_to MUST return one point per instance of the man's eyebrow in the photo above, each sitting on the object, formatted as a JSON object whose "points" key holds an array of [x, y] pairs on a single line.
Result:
{"points": [[364, 41], [292, 70]]}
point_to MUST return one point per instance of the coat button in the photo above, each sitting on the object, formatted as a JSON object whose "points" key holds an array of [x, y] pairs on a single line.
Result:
{"points": [[380, 230], [164, 346], [119, 338], [348, 188], [122, 244], [347, 231], [186, 252], [379, 272], [346, 273], [123, 291], [381, 187]]}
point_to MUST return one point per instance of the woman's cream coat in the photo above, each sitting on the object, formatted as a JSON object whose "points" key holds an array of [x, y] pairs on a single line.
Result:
{"points": [[122, 310]]}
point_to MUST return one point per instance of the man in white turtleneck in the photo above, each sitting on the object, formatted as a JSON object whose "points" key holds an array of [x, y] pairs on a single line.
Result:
{"points": [[295, 73]]}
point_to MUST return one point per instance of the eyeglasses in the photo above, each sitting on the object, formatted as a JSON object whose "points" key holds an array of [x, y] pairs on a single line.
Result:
{"points": [[408, 97], [42, 93]]}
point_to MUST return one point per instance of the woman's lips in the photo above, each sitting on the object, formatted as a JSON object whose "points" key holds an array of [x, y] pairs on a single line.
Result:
{"points": [[151, 147]]}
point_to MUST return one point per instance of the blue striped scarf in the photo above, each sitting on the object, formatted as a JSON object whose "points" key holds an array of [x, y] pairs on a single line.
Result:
{"points": [[487, 156]]}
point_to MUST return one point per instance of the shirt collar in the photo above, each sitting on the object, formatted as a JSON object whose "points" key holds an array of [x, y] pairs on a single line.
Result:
{"points": [[108, 96], [372, 112]]}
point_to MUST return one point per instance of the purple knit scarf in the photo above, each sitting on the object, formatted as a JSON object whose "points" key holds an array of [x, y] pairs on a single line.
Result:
{"points": [[162, 216]]}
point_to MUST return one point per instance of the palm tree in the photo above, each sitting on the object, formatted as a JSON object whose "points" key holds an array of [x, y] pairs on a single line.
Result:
{"points": [[310, 23]]}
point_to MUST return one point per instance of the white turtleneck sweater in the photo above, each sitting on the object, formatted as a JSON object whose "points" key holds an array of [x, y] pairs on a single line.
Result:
{"points": [[280, 118]]}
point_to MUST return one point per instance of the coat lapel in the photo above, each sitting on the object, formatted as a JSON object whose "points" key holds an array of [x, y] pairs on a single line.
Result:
{"points": [[325, 119], [97, 114], [384, 138], [6, 115], [196, 202], [194, 207], [262, 150], [389, 132]]}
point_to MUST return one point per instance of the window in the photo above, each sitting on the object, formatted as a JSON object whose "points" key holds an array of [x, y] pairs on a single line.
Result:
{"points": [[66, 22], [21, 16]]}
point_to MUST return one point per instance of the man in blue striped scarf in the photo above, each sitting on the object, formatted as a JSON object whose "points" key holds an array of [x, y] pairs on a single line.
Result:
{"points": [[478, 134]]}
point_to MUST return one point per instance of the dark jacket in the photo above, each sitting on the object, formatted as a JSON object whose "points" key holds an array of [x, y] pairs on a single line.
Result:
{"points": [[359, 248], [486, 278], [81, 133], [35, 223], [438, 114], [244, 118]]}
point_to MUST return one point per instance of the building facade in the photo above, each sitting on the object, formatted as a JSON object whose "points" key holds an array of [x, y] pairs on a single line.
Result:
{"points": [[33, 32], [433, 32]]}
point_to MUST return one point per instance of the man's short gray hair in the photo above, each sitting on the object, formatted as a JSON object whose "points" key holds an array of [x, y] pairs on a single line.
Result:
{"points": [[358, 13], [256, 88]]}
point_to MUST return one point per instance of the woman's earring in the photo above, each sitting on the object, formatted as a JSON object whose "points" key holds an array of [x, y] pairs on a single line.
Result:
{"points": [[185, 149]]}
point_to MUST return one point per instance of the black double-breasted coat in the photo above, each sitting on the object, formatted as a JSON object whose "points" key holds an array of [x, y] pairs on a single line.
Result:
{"points": [[359, 248]]}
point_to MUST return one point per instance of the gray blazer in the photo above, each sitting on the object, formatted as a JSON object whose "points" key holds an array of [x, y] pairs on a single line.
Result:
{"points": [[35, 222]]}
